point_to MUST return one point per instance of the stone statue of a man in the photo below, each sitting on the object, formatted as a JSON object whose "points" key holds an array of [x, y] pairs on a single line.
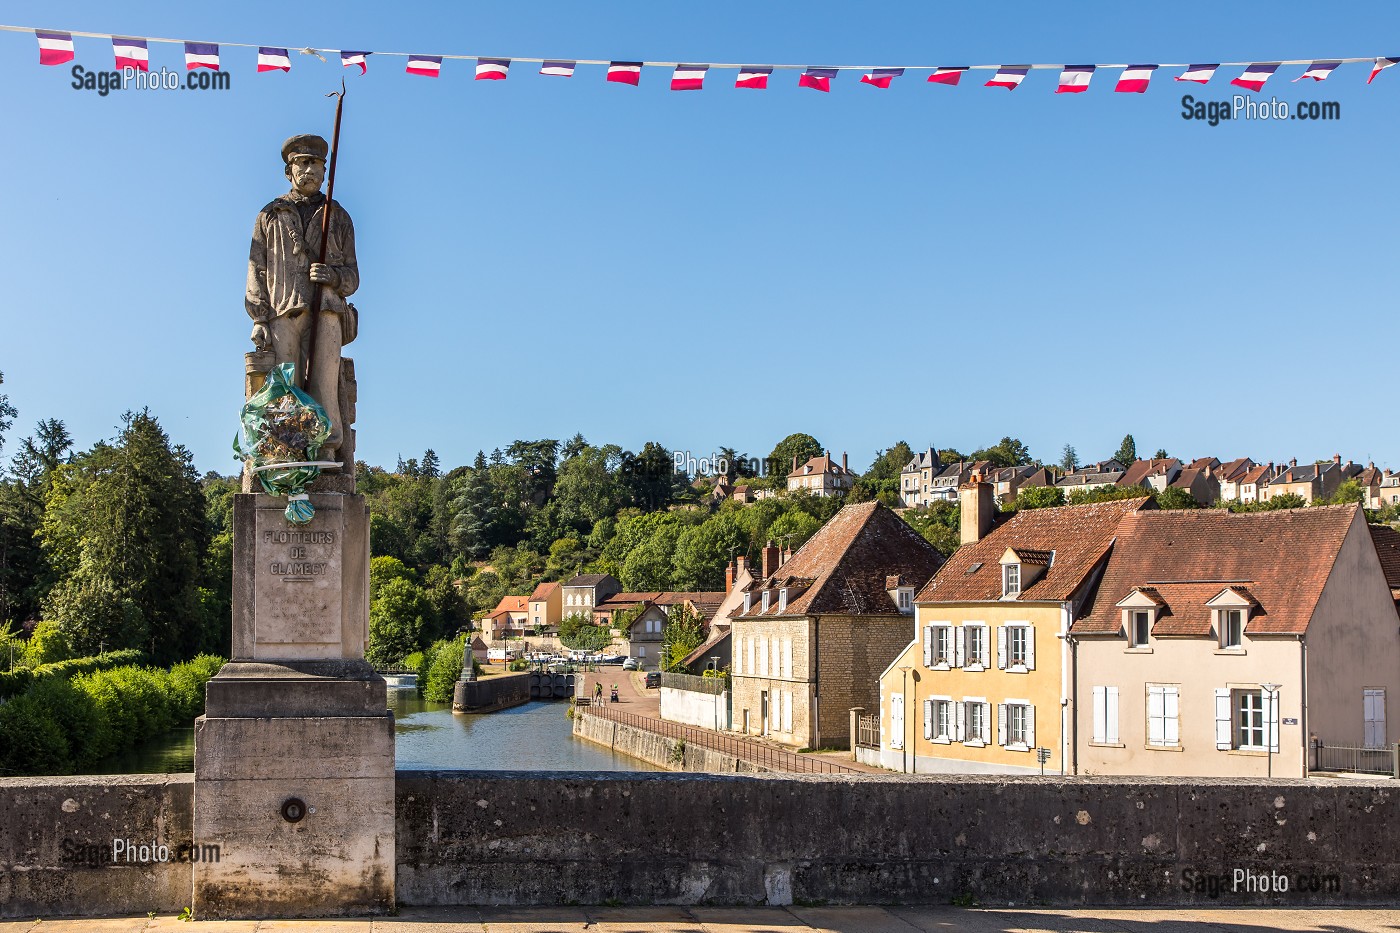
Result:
{"points": [[283, 270]]}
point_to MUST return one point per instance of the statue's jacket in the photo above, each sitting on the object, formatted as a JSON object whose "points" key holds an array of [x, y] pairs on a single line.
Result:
{"points": [[286, 241]]}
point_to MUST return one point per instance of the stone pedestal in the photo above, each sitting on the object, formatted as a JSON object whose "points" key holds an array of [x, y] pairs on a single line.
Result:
{"points": [[294, 756]]}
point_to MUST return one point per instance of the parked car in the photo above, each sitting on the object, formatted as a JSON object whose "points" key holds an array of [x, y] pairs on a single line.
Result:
{"points": [[610, 659], [631, 664], [653, 678]]}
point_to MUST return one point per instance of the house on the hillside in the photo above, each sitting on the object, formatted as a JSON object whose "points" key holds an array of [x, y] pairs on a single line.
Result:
{"points": [[586, 591], [1314, 482], [546, 606], [981, 683], [1154, 475], [814, 632], [821, 476], [1219, 644]]}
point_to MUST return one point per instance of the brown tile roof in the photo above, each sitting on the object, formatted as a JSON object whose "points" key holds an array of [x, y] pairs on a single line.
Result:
{"points": [[1233, 468], [544, 591], [1138, 473], [1387, 541], [1369, 476], [1256, 475], [670, 598], [512, 604], [623, 600], [587, 579], [1186, 478], [847, 562], [1079, 536], [1279, 559], [819, 465]]}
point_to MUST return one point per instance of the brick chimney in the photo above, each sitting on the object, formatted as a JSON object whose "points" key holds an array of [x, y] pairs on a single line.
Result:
{"points": [[1337, 459], [787, 555], [977, 508], [1293, 462], [728, 578], [770, 560], [740, 563], [794, 463], [844, 468]]}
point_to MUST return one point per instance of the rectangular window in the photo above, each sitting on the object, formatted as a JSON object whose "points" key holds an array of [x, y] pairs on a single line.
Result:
{"points": [[1231, 628], [942, 645], [782, 599], [1010, 579], [787, 711], [1105, 715], [976, 639], [1018, 724], [1016, 651], [1373, 711], [978, 721], [763, 657], [1249, 720], [1163, 716], [1141, 625], [939, 726], [749, 667]]}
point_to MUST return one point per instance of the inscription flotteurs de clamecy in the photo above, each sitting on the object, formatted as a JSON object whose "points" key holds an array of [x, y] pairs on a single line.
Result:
{"points": [[297, 568]]}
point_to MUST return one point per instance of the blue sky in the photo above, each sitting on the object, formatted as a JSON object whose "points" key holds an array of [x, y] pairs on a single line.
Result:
{"points": [[542, 256]]}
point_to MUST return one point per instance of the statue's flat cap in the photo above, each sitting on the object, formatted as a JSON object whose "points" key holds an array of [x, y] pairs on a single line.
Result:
{"points": [[306, 144]]}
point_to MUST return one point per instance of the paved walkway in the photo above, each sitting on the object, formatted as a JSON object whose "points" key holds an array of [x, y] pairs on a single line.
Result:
{"points": [[768, 920]]}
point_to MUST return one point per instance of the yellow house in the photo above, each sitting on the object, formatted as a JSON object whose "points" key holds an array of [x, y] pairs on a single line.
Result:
{"points": [[984, 686], [546, 607]]}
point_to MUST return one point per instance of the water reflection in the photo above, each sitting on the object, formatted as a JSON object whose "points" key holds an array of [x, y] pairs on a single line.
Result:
{"points": [[428, 736]]}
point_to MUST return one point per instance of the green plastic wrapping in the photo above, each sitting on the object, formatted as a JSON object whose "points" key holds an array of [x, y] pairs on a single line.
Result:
{"points": [[281, 424]]}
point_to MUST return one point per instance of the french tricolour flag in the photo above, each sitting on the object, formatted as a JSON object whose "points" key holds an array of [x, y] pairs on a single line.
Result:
{"points": [[1255, 75], [625, 72], [131, 53], [1198, 74], [429, 66], [1009, 76], [1381, 65], [492, 69], [1318, 71], [689, 77], [818, 79], [348, 59], [881, 77], [1074, 79], [55, 48], [1134, 79], [274, 60], [753, 76], [558, 69], [201, 55], [948, 76]]}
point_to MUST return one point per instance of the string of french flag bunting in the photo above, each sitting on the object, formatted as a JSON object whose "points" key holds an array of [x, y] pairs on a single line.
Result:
{"points": [[57, 48]]}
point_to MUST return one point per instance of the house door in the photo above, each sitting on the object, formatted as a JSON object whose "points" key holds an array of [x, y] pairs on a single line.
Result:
{"points": [[1373, 709], [763, 713]]}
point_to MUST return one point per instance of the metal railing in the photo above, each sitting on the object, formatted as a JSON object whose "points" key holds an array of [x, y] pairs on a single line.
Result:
{"points": [[774, 759], [714, 686], [868, 730], [1353, 759]]}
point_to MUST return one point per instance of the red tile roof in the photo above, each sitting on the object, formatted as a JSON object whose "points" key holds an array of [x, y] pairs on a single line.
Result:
{"points": [[1140, 470], [844, 566], [1387, 541], [544, 591], [1233, 468], [819, 465], [1079, 536], [1280, 559], [512, 604]]}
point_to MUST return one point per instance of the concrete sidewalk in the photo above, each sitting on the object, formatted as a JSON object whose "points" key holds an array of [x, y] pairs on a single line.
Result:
{"points": [[770, 920]]}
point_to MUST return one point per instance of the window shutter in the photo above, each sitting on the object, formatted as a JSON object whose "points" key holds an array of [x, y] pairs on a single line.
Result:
{"points": [[897, 721], [1271, 705], [986, 722], [787, 657], [928, 646], [1030, 726], [960, 727], [787, 712], [960, 646], [928, 719], [986, 657], [1111, 715], [1222, 718], [1001, 647], [1171, 710], [1155, 705], [1030, 647], [1100, 733], [1001, 723]]}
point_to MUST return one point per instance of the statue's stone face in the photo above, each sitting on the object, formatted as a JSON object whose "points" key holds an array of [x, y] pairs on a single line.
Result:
{"points": [[306, 174]]}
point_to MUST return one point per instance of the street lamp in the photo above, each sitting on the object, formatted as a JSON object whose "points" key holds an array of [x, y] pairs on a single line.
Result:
{"points": [[903, 723], [1270, 731]]}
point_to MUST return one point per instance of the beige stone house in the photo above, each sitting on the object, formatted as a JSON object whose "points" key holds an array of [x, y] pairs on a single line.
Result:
{"points": [[1244, 484], [814, 633], [821, 476], [1156, 474], [916, 477], [585, 591], [507, 620], [1089, 480], [1313, 481], [1200, 482], [546, 608], [1218, 643]]}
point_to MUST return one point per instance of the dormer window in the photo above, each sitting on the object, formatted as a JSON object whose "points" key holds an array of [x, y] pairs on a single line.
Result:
{"points": [[766, 594], [782, 599], [748, 601], [906, 598], [1231, 609], [1231, 628], [1139, 627], [1010, 579]]}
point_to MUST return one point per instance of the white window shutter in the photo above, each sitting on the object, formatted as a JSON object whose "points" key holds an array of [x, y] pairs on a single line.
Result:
{"points": [[960, 727], [986, 722], [928, 719], [986, 658], [1001, 647], [1111, 715], [897, 721], [928, 646], [1030, 727], [1171, 712], [1271, 705], [1001, 723], [1100, 733], [1030, 647], [1223, 718], [787, 712], [960, 646]]}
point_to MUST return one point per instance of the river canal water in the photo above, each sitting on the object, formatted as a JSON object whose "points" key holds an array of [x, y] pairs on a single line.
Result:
{"points": [[429, 736]]}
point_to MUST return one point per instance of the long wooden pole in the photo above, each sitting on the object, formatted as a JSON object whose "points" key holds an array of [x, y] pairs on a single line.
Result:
{"points": [[325, 232]]}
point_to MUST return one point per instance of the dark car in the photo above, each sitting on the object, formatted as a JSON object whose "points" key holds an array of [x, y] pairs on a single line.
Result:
{"points": [[653, 678]]}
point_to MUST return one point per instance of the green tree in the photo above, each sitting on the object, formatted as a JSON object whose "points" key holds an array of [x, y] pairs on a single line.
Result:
{"points": [[703, 551], [1007, 452], [650, 477], [1175, 498], [681, 635], [579, 633], [1039, 497], [7, 414], [1106, 494], [802, 447], [588, 490], [127, 534], [1069, 459], [793, 528], [475, 512], [25, 573], [47, 645], [1127, 451], [1161, 454], [1348, 492], [938, 524], [383, 569], [400, 619]]}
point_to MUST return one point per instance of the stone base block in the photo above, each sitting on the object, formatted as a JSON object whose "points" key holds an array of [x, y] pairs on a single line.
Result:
{"points": [[302, 810], [295, 688]]}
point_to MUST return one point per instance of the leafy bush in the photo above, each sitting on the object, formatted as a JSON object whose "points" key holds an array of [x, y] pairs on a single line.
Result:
{"points": [[15, 682], [60, 725], [48, 645], [444, 670]]}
